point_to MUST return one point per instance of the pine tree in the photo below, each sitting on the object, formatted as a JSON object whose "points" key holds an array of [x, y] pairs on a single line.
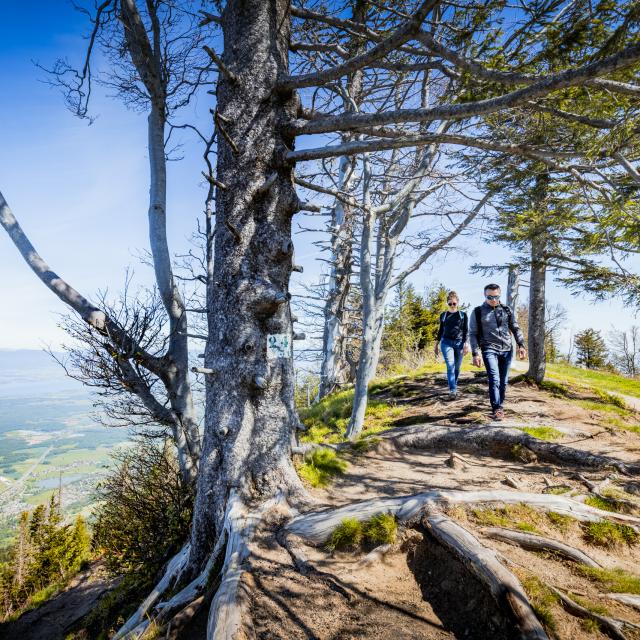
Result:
{"points": [[591, 350]]}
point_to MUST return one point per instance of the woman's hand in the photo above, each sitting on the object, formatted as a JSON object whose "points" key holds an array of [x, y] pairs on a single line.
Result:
{"points": [[465, 349], [435, 350]]}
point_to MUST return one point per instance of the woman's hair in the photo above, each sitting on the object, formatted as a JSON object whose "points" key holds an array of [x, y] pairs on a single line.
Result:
{"points": [[452, 294]]}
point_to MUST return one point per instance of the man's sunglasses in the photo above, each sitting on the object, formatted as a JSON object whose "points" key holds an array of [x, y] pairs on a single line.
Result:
{"points": [[492, 297]]}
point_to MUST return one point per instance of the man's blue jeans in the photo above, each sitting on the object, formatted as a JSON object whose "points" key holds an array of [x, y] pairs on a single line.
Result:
{"points": [[497, 364], [452, 354]]}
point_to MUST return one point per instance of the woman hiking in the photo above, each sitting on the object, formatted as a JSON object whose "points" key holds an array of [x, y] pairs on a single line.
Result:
{"points": [[452, 340]]}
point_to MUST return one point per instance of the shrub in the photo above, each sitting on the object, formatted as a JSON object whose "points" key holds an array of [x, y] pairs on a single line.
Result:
{"points": [[145, 510]]}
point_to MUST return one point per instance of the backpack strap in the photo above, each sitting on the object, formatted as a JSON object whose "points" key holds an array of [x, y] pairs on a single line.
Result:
{"points": [[477, 312]]}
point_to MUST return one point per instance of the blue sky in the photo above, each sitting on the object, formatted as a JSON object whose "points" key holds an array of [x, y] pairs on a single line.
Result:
{"points": [[80, 191]]}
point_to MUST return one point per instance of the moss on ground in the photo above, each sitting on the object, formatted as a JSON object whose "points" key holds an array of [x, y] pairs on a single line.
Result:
{"points": [[543, 432], [609, 534], [517, 516], [612, 580], [321, 466], [542, 601]]}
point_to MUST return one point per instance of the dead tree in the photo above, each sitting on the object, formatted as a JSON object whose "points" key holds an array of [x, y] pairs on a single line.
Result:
{"points": [[162, 44]]}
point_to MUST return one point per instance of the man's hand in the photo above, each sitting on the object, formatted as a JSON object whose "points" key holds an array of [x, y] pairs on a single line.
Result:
{"points": [[465, 349], [522, 353], [435, 350], [477, 361]]}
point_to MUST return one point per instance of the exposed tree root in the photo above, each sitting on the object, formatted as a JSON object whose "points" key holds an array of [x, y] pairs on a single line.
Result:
{"points": [[536, 542], [500, 440], [611, 626], [132, 628], [317, 526], [227, 616], [631, 599], [483, 562]]}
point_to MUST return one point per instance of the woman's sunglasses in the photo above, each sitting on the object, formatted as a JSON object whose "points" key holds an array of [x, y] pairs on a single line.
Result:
{"points": [[452, 304]]}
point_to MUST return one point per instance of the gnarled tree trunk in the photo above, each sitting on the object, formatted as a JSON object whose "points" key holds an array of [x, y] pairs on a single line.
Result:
{"points": [[250, 412]]}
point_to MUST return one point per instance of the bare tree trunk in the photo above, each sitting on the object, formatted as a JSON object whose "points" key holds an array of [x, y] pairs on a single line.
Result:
{"points": [[250, 412], [369, 357], [335, 368], [513, 286], [536, 334]]}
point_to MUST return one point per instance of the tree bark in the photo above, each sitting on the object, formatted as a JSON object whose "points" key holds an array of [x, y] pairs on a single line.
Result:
{"points": [[335, 368], [537, 304], [250, 412], [513, 285]]}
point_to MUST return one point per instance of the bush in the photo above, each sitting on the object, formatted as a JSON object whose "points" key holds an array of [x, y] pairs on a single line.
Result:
{"points": [[353, 534], [145, 510]]}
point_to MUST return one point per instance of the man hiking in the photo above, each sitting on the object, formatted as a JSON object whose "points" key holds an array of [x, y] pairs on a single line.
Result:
{"points": [[490, 328]]}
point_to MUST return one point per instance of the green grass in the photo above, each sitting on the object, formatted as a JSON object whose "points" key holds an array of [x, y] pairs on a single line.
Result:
{"points": [[609, 534], [326, 421], [560, 522], [35, 600], [589, 605], [613, 580], [542, 601], [543, 432], [351, 534], [321, 466], [603, 380], [517, 516], [347, 535], [601, 503], [380, 529]]}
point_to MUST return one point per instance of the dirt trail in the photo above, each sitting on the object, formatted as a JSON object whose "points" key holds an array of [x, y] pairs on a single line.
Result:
{"points": [[414, 591], [54, 619]]}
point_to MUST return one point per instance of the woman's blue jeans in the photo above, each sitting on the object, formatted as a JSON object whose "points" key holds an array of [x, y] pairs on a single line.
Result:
{"points": [[452, 354], [497, 364]]}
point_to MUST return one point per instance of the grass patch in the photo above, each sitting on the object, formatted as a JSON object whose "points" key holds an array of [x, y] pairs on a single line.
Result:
{"points": [[517, 516], [601, 503], [613, 580], [542, 601], [35, 600], [347, 535], [604, 380], [609, 534], [590, 625], [589, 605], [364, 444], [321, 466], [557, 491], [543, 432], [555, 388], [326, 421], [380, 529], [352, 534], [560, 522], [610, 398]]}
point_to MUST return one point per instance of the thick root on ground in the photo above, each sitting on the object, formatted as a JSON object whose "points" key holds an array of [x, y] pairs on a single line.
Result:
{"points": [[611, 626], [501, 440], [483, 562], [535, 542], [316, 527], [171, 574]]}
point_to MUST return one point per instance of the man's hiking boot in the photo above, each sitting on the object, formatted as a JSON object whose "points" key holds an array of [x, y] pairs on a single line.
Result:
{"points": [[498, 414]]}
